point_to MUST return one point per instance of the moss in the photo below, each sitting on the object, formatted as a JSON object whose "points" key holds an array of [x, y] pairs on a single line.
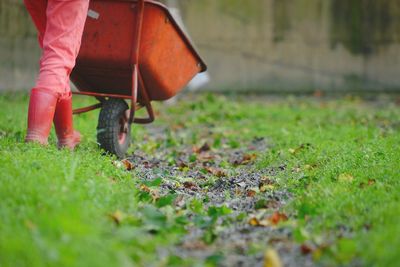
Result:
{"points": [[364, 26], [244, 10], [14, 20]]}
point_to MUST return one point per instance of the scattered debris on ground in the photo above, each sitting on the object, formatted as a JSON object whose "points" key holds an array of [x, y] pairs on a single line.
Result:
{"points": [[236, 208]]}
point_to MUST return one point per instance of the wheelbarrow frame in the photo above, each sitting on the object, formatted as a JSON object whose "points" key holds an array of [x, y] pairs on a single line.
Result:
{"points": [[137, 84]]}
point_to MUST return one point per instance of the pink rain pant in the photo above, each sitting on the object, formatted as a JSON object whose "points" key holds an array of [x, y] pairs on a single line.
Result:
{"points": [[60, 25]]}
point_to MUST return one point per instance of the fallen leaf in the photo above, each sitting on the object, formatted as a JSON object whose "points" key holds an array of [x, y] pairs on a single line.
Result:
{"points": [[204, 148], [117, 216], [145, 188], [251, 193], [179, 201], [296, 170], [155, 194], [205, 157], [247, 158], [243, 160], [238, 191], [370, 182], [278, 217], [177, 126], [266, 180], [345, 177], [195, 245], [267, 204], [190, 185], [267, 187], [272, 259], [266, 184], [127, 164], [294, 151], [181, 164], [306, 249], [216, 171], [254, 221], [262, 223]]}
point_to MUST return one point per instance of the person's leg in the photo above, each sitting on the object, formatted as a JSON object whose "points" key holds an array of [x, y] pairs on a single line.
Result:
{"points": [[63, 122], [42, 103], [61, 42], [37, 11], [66, 38]]}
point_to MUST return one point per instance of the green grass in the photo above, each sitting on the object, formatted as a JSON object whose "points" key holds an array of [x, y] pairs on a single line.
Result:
{"points": [[342, 163]]}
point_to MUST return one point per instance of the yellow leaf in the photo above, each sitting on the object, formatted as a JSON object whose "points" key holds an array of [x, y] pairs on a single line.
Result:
{"points": [[254, 222], [262, 223], [272, 259], [307, 167], [117, 216], [345, 177]]}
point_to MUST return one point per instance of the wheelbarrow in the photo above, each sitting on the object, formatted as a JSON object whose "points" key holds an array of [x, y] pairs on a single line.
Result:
{"points": [[131, 50]]}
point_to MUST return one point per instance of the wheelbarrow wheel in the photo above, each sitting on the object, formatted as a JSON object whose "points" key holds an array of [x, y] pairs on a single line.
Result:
{"points": [[113, 129]]}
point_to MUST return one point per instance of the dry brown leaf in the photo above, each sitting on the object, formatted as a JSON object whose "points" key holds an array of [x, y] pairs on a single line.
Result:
{"points": [[127, 164], [296, 150], [278, 217], [204, 148], [251, 193], [216, 171], [155, 194], [181, 164], [247, 158], [177, 126], [190, 185], [145, 188], [238, 191], [370, 182], [179, 201], [306, 249], [272, 259], [244, 159], [194, 245], [205, 157], [266, 184]]}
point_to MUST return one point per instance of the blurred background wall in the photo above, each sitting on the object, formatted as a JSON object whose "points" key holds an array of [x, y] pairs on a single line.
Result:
{"points": [[258, 45]]}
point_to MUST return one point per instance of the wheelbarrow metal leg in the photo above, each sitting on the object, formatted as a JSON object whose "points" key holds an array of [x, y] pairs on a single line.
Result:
{"points": [[135, 58], [147, 103], [134, 94]]}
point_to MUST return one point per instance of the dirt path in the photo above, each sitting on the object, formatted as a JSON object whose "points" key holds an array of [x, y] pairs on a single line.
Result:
{"points": [[226, 177]]}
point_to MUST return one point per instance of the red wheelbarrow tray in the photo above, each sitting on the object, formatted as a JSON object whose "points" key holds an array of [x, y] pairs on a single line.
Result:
{"points": [[133, 50]]}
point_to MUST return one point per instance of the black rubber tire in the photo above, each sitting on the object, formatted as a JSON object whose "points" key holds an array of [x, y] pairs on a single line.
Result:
{"points": [[109, 127]]}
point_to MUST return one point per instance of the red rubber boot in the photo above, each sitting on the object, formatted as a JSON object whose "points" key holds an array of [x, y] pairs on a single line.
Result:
{"points": [[42, 105], [63, 122]]}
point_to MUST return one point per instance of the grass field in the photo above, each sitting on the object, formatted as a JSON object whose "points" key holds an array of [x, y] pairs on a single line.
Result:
{"points": [[215, 181]]}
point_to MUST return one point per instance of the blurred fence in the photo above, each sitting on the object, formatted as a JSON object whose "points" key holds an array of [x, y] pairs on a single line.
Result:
{"points": [[266, 45]]}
